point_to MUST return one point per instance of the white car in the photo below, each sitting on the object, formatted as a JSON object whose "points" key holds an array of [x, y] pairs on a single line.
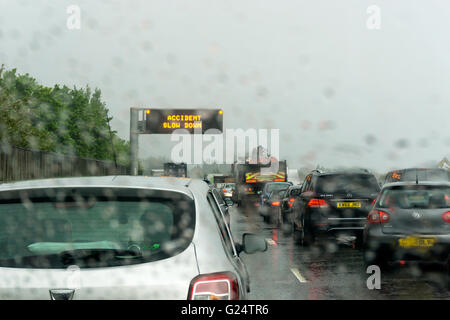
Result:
{"points": [[118, 237]]}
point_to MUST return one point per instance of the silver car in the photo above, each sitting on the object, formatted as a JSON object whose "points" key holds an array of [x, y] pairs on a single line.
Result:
{"points": [[118, 237]]}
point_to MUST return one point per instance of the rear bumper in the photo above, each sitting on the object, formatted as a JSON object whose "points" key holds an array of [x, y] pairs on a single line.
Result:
{"points": [[333, 225], [268, 211], [387, 247]]}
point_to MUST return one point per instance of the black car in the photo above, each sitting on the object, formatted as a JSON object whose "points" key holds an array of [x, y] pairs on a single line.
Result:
{"points": [[287, 202], [270, 210], [333, 203], [409, 222], [419, 174], [269, 187]]}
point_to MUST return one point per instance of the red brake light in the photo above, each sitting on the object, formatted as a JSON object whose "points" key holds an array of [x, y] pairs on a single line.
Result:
{"points": [[292, 199], [276, 203], [378, 216], [224, 190], [317, 203], [446, 217], [214, 286]]}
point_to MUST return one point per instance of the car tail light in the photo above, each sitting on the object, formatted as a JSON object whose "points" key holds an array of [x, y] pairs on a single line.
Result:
{"points": [[275, 203], [446, 217], [378, 216], [317, 203], [224, 190], [291, 202], [214, 286]]}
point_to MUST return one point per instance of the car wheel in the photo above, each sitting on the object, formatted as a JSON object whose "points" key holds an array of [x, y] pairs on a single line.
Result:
{"points": [[296, 234], [306, 235], [359, 242], [271, 219], [279, 219], [448, 273], [377, 259]]}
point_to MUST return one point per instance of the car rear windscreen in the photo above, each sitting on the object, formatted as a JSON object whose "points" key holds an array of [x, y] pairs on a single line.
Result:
{"points": [[92, 227], [415, 196], [361, 184], [277, 186]]}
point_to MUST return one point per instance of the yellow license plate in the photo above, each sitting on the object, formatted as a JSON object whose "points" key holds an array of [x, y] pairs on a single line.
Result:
{"points": [[416, 242], [349, 204]]}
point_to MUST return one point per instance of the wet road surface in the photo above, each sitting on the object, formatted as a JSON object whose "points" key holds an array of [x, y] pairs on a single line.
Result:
{"points": [[287, 271]]}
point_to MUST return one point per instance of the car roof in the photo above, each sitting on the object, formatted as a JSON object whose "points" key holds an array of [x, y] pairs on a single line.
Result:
{"points": [[278, 182], [413, 183], [334, 172], [405, 169], [182, 185]]}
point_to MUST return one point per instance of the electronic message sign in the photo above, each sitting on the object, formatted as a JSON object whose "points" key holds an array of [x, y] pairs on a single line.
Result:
{"points": [[165, 121]]}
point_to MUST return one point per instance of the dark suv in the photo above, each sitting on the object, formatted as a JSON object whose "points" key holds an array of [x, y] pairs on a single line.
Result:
{"points": [[333, 203], [288, 201]]}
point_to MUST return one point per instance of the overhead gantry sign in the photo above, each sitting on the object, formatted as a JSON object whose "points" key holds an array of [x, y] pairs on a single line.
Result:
{"points": [[166, 121]]}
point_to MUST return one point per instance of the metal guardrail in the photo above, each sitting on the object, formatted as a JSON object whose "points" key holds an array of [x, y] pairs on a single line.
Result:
{"points": [[24, 164]]}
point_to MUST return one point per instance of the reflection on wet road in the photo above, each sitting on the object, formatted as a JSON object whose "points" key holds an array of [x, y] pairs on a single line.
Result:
{"points": [[288, 271]]}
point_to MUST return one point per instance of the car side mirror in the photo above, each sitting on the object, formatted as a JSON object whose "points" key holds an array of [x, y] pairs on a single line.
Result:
{"points": [[252, 243]]}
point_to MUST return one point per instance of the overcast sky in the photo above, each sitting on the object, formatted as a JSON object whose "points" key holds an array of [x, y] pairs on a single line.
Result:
{"points": [[340, 93]]}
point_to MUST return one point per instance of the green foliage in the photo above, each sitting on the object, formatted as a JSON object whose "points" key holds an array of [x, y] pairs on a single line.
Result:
{"points": [[58, 119]]}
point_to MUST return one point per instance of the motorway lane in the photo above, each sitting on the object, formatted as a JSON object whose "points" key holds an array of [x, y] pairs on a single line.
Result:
{"points": [[289, 272]]}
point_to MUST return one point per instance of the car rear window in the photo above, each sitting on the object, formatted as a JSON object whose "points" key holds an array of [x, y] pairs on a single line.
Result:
{"points": [[92, 227], [277, 186], [347, 183], [277, 193], [416, 196]]}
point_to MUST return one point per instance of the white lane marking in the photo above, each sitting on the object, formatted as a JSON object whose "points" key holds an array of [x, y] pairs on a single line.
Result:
{"points": [[271, 242], [298, 275]]}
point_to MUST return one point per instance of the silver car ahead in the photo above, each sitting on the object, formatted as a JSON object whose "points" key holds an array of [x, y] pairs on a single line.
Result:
{"points": [[118, 237]]}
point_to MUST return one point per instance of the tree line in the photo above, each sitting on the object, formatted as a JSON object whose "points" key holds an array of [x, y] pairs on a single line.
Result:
{"points": [[58, 119]]}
